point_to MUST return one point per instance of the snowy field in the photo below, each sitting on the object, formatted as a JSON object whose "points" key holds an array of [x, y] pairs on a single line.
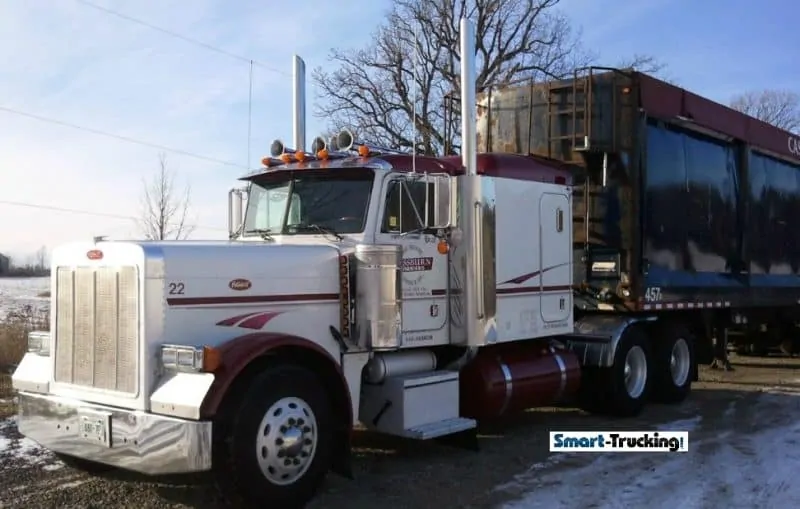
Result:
{"points": [[722, 469], [20, 292]]}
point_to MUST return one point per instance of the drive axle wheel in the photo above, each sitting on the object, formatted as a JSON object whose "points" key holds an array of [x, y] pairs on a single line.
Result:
{"points": [[673, 362], [620, 390], [276, 447]]}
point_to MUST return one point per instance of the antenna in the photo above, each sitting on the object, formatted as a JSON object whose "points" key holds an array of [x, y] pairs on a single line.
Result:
{"points": [[250, 115], [415, 91]]}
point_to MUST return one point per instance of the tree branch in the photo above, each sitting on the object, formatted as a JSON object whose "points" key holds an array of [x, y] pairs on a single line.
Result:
{"points": [[780, 108], [413, 65], [164, 210]]}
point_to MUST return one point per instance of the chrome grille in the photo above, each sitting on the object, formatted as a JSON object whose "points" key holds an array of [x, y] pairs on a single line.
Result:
{"points": [[97, 328]]}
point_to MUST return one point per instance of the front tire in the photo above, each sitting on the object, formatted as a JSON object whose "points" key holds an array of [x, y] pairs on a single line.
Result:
{"points": [[276, 445]]}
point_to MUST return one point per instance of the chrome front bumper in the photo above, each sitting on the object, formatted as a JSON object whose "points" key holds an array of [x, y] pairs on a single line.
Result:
{"points": [[143, 442]]}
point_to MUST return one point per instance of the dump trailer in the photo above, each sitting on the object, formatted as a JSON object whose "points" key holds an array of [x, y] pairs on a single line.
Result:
{"points": [[414, 295], [684, 210]]}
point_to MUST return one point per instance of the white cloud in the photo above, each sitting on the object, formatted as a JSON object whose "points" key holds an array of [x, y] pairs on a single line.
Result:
{"points": [[68, 61]]}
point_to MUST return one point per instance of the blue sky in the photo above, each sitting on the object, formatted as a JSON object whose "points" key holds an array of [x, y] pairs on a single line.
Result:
{"points": [[67, 61]]}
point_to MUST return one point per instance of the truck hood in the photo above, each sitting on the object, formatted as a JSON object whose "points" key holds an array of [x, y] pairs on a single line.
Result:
{"points": [[223, 263], [177, 292]]}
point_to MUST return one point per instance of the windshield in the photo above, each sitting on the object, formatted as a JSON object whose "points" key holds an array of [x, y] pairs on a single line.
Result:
{"points": [[305, 201]]}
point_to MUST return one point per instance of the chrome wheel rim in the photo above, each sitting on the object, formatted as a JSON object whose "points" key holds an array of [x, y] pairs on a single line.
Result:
{"points": [[635, 372], [679, 362], [286, 441]]}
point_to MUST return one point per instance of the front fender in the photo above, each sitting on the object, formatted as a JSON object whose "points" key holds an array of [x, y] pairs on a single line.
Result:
{"points": [[239, 352]]}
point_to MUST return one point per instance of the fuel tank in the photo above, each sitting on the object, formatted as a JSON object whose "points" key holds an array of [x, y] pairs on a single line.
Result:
{"points": [[509, 378]]}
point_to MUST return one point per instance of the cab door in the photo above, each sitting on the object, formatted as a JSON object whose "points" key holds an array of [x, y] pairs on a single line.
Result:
{"points": [[424, 279], [555, 253]]}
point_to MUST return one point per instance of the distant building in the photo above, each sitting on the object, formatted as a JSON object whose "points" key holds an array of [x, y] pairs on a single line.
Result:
{"points": [[5, 261]]}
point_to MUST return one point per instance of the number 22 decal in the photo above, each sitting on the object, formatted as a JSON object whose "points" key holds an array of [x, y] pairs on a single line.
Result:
{"points": [[176, 288]]}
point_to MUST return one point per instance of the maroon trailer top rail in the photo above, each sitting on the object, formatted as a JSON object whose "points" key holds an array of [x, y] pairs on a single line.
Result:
{"points": [[662, 99]]}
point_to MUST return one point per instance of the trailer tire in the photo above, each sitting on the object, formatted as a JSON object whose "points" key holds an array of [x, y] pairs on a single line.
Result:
{"points": [[606, 389], [752, 350], [673, 364], [276, 446]]}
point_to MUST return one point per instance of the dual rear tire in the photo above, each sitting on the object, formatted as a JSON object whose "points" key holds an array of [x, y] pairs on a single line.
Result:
{"points": [[660, 370]]}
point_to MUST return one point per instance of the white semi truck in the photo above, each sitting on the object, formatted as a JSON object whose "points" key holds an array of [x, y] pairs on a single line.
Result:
{"points": [[414, 295]]}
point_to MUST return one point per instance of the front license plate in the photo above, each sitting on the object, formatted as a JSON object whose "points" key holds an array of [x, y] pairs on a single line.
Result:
{"points": [[95, 426]]}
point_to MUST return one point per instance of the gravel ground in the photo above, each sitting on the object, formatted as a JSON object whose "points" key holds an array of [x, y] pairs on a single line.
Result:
{"points": [[513, 460]]}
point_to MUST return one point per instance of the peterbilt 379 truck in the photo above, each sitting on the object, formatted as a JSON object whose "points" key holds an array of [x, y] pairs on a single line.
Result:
{"points": [[612, 228]]}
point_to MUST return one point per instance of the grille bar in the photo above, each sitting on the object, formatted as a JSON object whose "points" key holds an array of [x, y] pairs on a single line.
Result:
{"points": [[97, 328]]}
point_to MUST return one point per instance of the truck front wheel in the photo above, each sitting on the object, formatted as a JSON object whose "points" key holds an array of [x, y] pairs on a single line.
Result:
{"points": [[276, 447]]}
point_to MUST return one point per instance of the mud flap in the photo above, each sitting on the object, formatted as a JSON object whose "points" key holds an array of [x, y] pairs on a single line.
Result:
{"points": [[343, 462]]}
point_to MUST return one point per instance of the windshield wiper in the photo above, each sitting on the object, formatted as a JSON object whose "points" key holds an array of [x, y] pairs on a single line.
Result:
{"points": [[265, 233], [313, 226]]}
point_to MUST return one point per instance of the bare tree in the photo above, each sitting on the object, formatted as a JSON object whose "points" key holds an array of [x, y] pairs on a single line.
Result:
{"points": [[780, 108], [644, 63], [384, 90], [164, 208], [41, 259]]}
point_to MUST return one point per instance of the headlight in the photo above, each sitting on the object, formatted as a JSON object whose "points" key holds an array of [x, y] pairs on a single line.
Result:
{"points": [[190, 358], [39, 342]]}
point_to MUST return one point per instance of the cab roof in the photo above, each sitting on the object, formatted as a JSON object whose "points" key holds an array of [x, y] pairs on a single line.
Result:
{"points": [[501, 165]]}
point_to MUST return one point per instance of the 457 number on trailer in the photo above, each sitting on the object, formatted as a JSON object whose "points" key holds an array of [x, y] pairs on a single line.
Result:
{"points": [[652, 294]]}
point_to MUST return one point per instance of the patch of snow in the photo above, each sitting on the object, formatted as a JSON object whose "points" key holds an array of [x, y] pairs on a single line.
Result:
{"points": [[523, 479], [682, 424], [72, 484], [722, 471], [16, 293], [783, 391], [15, 446]]}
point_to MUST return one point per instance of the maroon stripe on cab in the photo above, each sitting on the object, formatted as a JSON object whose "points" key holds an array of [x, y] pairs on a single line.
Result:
{"points": [[533, 289], [259, 321], [229, 322], [504, 291], [250, 299]]}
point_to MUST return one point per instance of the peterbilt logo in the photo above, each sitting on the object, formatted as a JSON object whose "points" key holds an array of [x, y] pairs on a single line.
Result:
{"points": [[94, 254], [794, 145], [240, 285]]}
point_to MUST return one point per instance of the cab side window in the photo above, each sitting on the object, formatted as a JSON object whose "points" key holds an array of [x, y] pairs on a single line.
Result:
{"points": [[405, 206]]}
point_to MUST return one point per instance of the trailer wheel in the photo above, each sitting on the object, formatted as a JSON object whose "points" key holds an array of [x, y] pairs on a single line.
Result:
{"points": [[752, 350], [276, 447], [673, 361], [622, 389]]}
